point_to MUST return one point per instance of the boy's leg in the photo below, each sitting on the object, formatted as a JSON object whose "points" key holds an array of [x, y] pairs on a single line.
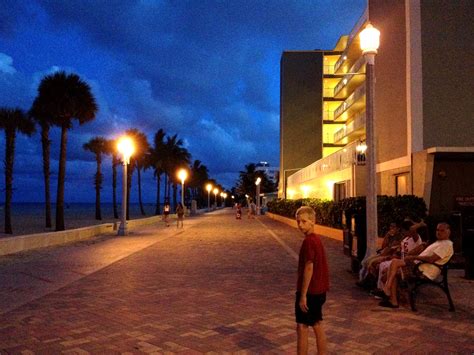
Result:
{"points": [[302, 335], [320, 334]]}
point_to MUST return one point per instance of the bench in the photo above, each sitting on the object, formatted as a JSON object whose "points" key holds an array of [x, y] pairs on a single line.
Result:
{"points": [[441, 281]]}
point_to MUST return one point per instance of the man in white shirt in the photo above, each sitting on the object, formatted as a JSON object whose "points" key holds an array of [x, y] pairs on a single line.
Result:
{"points": [[437, 253]]}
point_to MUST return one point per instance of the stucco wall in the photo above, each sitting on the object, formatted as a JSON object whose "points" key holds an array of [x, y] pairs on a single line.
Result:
{"points": [[448, 57]]}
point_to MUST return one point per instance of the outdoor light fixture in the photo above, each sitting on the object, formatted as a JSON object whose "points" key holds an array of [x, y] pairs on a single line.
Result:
{"points": [[257, 193], [208, 188], [126, 149], [369, 44]]}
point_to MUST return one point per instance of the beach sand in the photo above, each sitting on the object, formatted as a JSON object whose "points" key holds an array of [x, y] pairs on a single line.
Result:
{"points": [[29, 218]]}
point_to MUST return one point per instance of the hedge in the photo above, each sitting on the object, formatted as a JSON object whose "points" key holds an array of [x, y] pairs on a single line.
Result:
{"points": [[329, 213]]}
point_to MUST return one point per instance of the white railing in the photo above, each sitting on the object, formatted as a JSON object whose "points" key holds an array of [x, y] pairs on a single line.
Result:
{"points": [[340, 160], [328, 115], [357, 122], [328, 69], [356, 95], [347, 78]]}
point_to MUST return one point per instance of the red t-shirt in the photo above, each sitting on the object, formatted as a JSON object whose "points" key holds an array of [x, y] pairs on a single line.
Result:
{"points": [[312, 249]]}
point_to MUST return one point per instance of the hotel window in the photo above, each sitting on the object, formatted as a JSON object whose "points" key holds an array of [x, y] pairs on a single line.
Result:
{"points": [[339, 191], [401, 184]]}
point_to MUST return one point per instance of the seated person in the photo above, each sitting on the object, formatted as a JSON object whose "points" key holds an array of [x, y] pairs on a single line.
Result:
{"points": [[410, 245], [390, 242], [437, 253]]}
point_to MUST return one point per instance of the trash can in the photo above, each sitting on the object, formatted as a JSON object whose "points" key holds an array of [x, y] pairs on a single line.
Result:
{"points": [[359, 241], [468, 244]]}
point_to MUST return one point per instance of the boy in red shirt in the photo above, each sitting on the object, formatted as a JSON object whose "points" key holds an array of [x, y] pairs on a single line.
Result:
{"points": [[312, 285]]}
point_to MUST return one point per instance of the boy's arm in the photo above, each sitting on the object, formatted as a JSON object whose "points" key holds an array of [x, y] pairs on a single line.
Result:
{"points": [[307, 274]]}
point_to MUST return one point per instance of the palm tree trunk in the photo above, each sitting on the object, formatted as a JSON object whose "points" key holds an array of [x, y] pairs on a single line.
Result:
{"points": [[46, 144], [114, 185], [139, 179], [9, 156], [166, 184], [61, 178], [158, 181], [98, 186]]}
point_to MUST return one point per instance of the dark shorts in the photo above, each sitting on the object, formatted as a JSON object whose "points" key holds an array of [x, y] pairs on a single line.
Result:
{"points": [[315, 309]]}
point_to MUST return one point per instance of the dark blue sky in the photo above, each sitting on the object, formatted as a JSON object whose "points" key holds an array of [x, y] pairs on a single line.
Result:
{"points": [[206, 70]]}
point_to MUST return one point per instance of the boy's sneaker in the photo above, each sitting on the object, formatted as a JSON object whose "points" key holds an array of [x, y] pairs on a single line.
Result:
{"points": [[378, 294]]}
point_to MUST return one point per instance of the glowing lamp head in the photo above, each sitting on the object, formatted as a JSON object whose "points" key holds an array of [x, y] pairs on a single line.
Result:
{"points": [[182, 175], [209, 187], [225, 195], [257, 182], [126, 148], [369, 39], [216, 191], [361, 147]]}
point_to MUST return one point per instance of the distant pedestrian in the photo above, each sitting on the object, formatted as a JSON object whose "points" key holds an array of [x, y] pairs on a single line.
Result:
{"points": [[180, 215], [238, 214], [166, 213], [312, 284], [252, 210]]}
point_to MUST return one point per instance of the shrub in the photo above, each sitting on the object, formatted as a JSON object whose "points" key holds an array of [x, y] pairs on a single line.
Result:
{"points": [[329, 213]]}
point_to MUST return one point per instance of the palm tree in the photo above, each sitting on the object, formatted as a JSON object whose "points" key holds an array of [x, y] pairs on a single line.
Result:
{"points": [[12, 121], [199, 176], [45, 125], [156, 161], [137, 161], [111, 149], [97, 145], [65, 97], [176, 156]]}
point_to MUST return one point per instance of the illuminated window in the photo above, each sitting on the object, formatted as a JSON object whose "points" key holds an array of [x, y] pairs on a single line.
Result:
{"points": [[401, 184]]}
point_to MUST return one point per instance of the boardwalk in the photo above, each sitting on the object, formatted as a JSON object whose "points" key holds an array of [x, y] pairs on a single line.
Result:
{"points": [[221, 285]]}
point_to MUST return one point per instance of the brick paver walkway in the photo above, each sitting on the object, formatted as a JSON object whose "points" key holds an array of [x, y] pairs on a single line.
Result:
{"points": [[222, 285]]}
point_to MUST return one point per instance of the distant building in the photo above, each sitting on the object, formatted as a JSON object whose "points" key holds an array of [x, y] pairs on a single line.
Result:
{"points": [[424, 117], [272, 173]]}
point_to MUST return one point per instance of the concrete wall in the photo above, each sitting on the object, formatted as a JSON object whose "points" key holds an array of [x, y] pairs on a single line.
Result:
{"points": [[40, 240], [448, 72], [300, 109], [390, 86]]}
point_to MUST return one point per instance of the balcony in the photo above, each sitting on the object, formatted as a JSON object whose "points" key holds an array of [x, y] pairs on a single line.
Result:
{"points": [[328, 69], [352, 35], [354, 128], [351, 101], [340, 160], [351, 80]]}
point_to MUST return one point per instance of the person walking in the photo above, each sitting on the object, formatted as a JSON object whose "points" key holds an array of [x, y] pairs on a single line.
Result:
{"points": [[312, 283], [180, 215], [166, 213]]}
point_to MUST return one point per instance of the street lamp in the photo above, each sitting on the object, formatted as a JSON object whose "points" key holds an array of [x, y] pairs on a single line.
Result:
{"points": [[369, 43], [208, 188], [225, 196], [257, 182], [126, 148], [182, 175], [216, 191]]}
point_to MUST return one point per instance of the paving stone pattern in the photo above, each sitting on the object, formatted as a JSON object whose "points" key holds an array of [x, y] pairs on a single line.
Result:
{"points": [[223, 285]]}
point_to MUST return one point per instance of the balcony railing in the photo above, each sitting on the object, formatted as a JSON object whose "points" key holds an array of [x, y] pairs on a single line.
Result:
{"points": [[352, 35], [328, 92], [355, 68], [340, 160], [356, 95], [328, 115], [328, 69], [354, 125]]}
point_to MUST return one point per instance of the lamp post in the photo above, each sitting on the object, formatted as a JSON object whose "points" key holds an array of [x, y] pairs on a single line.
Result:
{"points": [[182, 175], [257, 194], [369, 43], [208, 188], [216, 191], [126, 148], [225, 197]]}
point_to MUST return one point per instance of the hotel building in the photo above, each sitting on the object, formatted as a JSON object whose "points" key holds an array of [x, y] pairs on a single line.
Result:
{"points": [[424, 108]]}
